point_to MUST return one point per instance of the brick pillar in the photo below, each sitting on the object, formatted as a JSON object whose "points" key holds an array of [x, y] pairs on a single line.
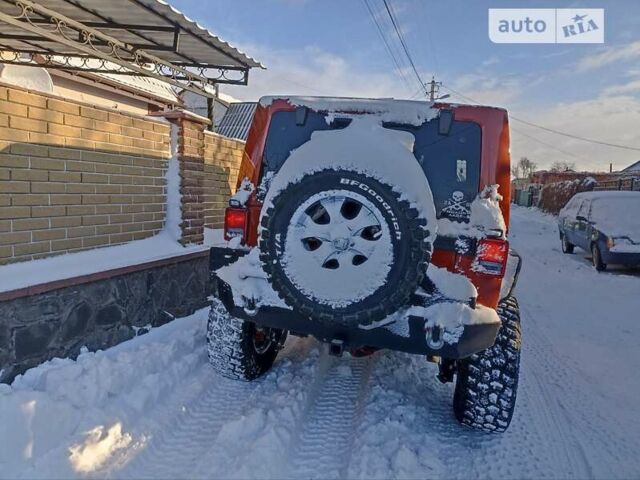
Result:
{"points": [[190, 152]]}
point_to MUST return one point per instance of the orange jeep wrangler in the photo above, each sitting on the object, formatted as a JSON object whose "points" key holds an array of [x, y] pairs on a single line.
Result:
{"points": [[374, 224]]}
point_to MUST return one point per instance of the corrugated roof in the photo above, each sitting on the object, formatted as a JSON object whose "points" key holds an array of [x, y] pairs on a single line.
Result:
{"points": [[150, 85], [197, 45], [198, 30], [237, 121]]}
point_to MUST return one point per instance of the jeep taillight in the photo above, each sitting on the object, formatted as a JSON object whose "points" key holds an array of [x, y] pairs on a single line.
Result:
{"points": [[491, 256], [235, 223]]}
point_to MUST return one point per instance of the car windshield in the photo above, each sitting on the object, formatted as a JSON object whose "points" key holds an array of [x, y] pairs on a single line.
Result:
{"points": [[615, 216]]}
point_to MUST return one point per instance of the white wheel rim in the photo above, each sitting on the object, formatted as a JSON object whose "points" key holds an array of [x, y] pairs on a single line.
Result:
{"points": [[338, 248]]}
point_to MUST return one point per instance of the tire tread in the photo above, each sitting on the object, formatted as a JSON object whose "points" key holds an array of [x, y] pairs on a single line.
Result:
{"points": [[487, 382]]}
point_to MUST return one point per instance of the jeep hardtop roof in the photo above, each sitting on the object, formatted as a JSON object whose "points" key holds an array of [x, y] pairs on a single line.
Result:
{"points": [[413, 112]]}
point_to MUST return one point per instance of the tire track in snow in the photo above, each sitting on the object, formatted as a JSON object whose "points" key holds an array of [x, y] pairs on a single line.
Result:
{"points": [[568, 450], [560, 381], [322, 444], [188, 436], [554, 369]]}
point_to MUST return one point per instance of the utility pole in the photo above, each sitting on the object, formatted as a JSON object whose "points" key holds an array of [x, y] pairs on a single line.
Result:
{"points": [[434, 89]]}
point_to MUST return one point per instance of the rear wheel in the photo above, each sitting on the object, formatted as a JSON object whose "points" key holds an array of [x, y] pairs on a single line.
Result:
{"points": [[487, 382], [567, 247], [596, 258], [239, 349]]}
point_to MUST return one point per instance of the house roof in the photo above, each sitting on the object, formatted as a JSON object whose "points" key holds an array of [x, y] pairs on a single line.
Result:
{"points": [[634, 167], [237, 120]]}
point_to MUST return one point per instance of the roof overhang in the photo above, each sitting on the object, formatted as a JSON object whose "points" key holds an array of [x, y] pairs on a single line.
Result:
{"points": [[124, 37]]}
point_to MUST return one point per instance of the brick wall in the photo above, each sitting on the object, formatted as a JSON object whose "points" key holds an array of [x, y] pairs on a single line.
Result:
{"points": [[74, 177], [222, 157], [191, 158]]}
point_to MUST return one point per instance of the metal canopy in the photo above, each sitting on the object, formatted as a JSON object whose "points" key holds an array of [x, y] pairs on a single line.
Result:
{"points": [[127, 37]]}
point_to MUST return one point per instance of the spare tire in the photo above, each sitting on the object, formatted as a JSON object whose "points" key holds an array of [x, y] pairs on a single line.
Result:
{"points": [[340, 246]]}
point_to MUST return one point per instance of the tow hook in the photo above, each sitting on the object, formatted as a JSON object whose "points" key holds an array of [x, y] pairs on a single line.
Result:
{"points": [[336, 348], [434, 337], [250, 306]]}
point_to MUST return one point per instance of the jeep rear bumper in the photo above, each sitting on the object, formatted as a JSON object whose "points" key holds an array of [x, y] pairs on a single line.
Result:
{"points": [[411, 338]]}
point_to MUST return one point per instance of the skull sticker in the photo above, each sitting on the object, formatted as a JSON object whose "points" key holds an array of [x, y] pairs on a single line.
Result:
{"points": [[456, 208]]}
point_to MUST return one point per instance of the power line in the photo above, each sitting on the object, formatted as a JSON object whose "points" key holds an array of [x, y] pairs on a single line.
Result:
{"points": [[403, 43], [576, 137], [418, 93], [399, 69], [551, 130], [520, 132]]}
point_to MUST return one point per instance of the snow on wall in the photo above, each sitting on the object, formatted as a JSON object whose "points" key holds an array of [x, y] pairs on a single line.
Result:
{"points": [[174, 198], [70, 265]]}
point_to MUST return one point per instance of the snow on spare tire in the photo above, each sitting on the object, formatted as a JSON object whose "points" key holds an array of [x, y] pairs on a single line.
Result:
{"points": [[348, 224]]}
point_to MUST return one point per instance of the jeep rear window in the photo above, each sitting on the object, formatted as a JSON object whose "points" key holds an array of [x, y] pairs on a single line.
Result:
{"points": [[451, 162]]}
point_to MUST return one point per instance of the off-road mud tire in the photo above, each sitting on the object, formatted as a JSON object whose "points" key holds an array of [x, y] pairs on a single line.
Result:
{"points": [[487, 382], [411, 253], [231, 348]]}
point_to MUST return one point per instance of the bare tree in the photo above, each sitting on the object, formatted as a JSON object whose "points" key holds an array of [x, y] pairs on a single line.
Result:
{"points": [[524, 168], [562, 166], [528, 166]]}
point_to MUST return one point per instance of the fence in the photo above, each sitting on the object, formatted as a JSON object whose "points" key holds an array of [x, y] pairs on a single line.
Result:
{"points": [[624, 183], [527, 197], [551, 197], [75, 176]]}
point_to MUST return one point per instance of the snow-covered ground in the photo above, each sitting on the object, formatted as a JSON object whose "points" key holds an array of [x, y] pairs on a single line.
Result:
{"points": [[152, 407]]}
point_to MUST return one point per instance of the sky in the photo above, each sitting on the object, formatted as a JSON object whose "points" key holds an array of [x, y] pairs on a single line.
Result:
{"points": [[332, 47]]}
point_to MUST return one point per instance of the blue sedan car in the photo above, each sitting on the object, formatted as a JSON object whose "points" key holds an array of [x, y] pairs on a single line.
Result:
{"points": [[607, 224]]}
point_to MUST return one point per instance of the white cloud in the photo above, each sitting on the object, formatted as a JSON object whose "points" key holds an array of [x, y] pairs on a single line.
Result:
{"points": [[611, 119], [629, 87], [492, 60], [610, 55], [487, 88], [313, 71]]}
